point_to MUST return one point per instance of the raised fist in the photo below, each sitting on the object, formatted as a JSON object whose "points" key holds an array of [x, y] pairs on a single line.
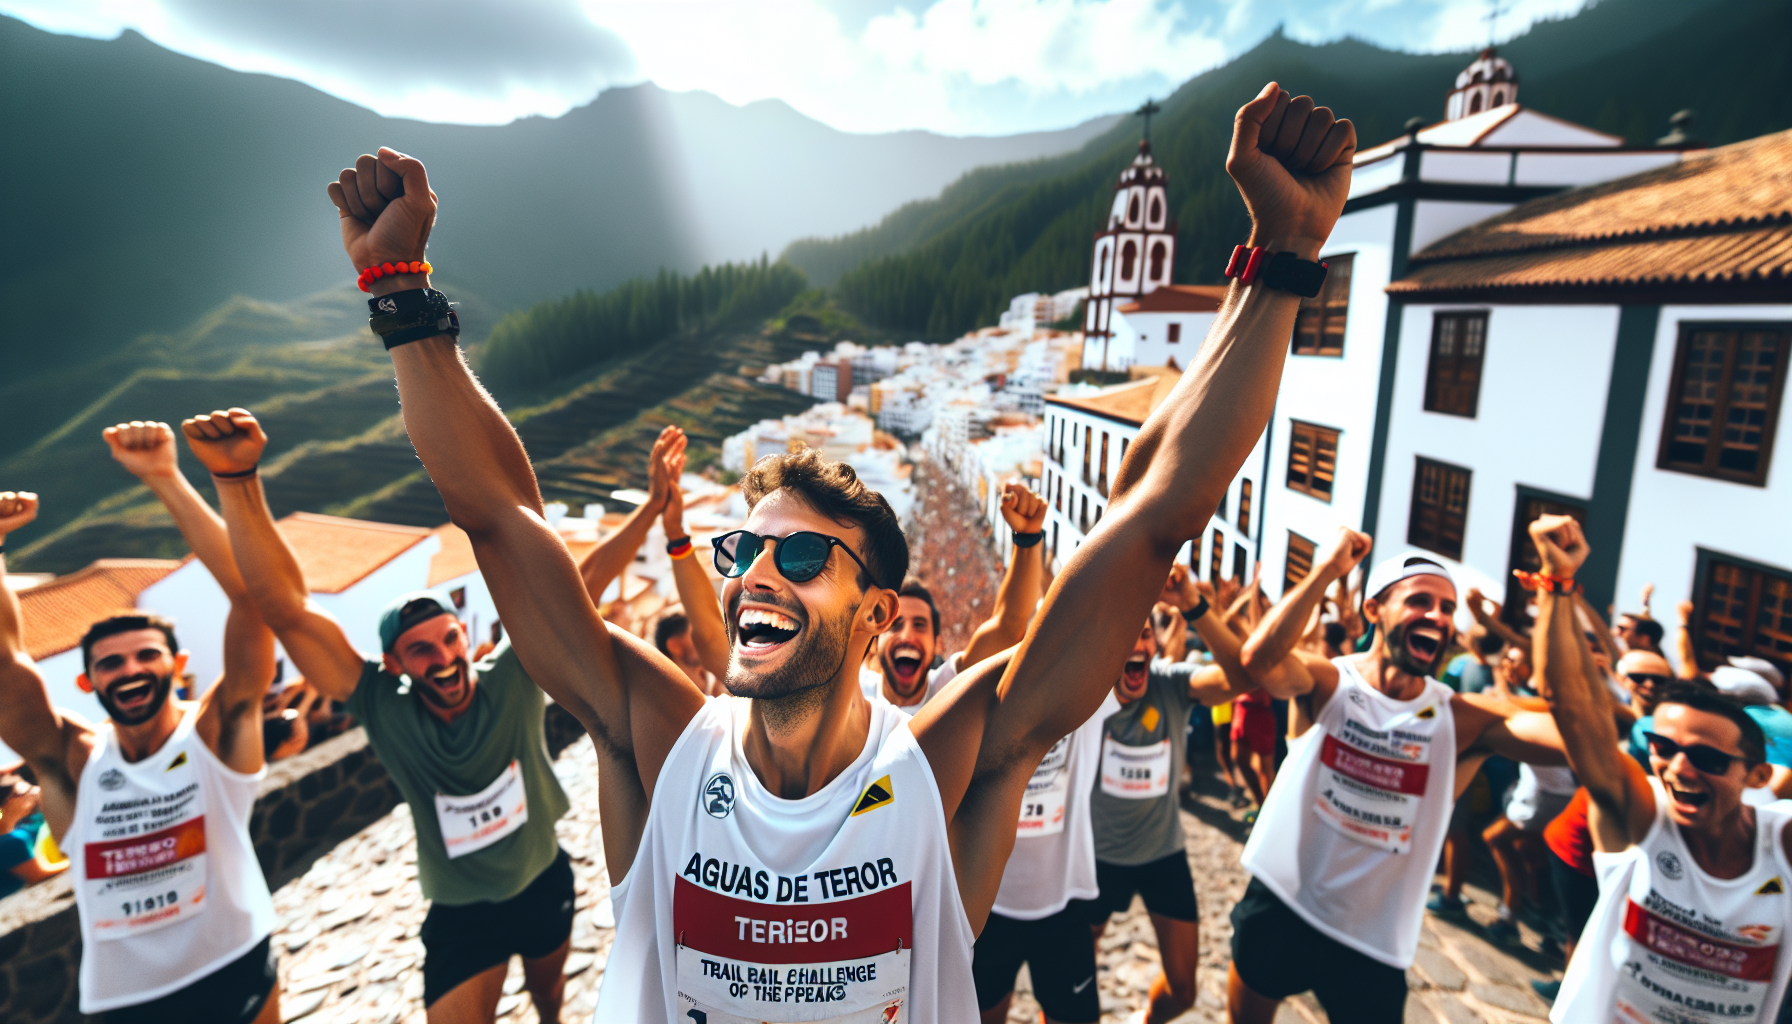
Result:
{"points": [[1024, 510], [386, 209], [17, 508], [1346, 549], [145, 448], [226, 441], [1560, 544], [1291, 161], [1180, 590]]}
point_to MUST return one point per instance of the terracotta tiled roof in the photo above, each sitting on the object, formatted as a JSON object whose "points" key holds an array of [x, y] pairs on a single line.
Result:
{"points": [[1716, 221], [58, 612], [1130, 403], [337, 553], [1179, 298]]}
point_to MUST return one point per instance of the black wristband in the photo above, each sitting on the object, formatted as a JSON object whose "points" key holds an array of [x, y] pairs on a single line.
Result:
{"points": [[1196, 612], [1289, 273], [412, 315], [239, 474], [1027, 540]]}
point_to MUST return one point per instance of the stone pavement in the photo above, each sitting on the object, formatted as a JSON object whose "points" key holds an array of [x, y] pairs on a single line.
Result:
{"points": [[350, 952]]}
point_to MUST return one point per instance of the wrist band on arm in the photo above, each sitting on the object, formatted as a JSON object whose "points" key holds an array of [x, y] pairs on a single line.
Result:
{"points": [[1027, 540], [1197, 611], [1283, 271], [403, 317], [679, 548], [239, 474], [1544, 583], [379, 270]]}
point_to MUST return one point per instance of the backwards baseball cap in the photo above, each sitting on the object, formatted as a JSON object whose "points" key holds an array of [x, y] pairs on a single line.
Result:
{"points": [[1762, 667], [1743, 684], [407, 610], [1393, 570]]}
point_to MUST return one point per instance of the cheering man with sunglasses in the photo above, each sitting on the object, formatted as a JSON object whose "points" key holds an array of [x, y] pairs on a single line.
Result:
{"points": [[1693, 882], [463, 739], [793, 851]]}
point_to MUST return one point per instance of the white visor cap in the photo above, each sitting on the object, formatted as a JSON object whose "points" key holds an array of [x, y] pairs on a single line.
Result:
{"points": [[1393, 570]]}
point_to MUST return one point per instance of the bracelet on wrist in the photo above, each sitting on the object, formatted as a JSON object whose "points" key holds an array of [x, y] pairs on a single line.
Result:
{"points": [[412, 315], [241, 474], [1283, 271], [679, 547], [1193, 614], [389, 269], [1544, 583], [1027, 540]]}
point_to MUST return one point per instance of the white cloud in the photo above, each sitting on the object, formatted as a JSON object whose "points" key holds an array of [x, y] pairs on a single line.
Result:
{"points": [[954, 66]]}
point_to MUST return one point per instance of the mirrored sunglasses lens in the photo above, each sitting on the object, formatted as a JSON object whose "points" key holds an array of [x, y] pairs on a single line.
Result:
{"points": [[736, 553], [801, 556]]}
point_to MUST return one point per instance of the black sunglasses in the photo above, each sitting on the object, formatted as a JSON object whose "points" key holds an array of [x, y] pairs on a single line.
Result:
{"points": [[799, 557], [1707, 759], [1648, 677]]}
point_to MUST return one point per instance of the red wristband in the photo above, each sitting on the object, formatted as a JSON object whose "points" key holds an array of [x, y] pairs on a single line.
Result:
{"points": [[379, 270], [1543, 582]]}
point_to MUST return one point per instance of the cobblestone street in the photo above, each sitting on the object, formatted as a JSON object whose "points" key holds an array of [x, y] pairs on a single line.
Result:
{"points": [[350, 952]]}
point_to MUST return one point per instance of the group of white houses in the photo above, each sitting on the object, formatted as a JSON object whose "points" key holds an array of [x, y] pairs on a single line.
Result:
{"points": [[1523, 316]]}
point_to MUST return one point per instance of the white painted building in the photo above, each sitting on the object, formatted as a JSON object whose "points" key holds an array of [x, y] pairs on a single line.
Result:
{"points": [[1133, 253], [1165, 327], [1517, 310]]}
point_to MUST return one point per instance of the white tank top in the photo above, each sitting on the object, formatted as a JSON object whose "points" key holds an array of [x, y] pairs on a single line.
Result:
{"points": [[1054, 839], [1667, 942], [166, 880], [743, 906], [1353, 826]]}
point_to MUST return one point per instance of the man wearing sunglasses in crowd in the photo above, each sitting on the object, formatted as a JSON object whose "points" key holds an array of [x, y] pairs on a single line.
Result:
{"points": [[793, 846], [1693, 881], [1649, 677], [463, 740]]}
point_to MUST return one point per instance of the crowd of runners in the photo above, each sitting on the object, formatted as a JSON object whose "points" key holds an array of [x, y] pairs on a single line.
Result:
{"points": [[810, 812]]}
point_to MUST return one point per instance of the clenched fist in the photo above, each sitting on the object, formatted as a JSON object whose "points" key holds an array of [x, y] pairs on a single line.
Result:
{"points": [[226, 441], [144, 447], [1346, 549], [1024, 510], [1291, 161], [1560, 543], [17, 508], [386, 210]]}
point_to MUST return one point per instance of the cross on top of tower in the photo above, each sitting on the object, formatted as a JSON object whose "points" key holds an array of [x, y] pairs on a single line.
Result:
{"points": [[1495, 10], [1149, 108]]}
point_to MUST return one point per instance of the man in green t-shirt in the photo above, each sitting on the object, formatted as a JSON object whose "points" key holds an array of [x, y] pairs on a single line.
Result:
{"points": [[462, 740]]}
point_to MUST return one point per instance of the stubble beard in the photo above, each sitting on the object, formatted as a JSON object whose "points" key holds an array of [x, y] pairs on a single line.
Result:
{"points": [[164, 685], [794, 690], [1403, 657]]}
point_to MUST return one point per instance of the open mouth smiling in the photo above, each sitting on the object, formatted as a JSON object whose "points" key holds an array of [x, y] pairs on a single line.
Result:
{"points": [[905, 659], [133, 692], [1133, 674], [760, 631], [1424, 642], [1688, 801]]}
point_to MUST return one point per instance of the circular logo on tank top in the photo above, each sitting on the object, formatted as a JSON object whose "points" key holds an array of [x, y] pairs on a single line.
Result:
{"points": [[111, 779], [718, 795], [1669, 863]]}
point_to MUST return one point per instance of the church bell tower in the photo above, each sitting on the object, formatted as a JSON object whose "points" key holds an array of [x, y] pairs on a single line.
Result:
{"points": [[1134, 250]]}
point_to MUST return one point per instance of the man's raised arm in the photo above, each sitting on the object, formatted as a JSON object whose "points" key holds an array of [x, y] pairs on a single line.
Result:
{"points": [[1018, 597], [1622, 803], [702, 608], [229, 444], [231, 723], [1269, 656], [478, 464], [1291, 162], [612, 555], [29, 724]]}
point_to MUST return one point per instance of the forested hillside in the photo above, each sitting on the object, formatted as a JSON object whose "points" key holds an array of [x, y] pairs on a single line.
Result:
{"points": [[941, 266]]}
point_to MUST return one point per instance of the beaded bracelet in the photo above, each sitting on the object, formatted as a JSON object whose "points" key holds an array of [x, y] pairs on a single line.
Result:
{"points": [[1545, 583], [379, 270]]}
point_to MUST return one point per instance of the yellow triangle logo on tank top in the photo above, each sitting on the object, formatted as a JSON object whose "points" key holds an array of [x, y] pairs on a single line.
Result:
{"points": [[179, 759], [1771, 887], [879, 794]]}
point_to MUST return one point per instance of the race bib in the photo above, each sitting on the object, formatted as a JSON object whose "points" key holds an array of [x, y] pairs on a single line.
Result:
{"points": [[1372, 796], [470, 823], [741, 962], [1674, 974], [1042, 809], [1135, 773], [146, 882]]}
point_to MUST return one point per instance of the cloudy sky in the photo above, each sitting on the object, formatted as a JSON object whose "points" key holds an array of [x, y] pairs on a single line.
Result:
{"points": [[952, 66]]}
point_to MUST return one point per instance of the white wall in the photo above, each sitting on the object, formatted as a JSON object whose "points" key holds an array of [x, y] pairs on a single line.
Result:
{"points": [[1541, 412], [1148, 337], [1672, 514], [1336, 392], [358, 608], [192, 598], [1432, 220]]}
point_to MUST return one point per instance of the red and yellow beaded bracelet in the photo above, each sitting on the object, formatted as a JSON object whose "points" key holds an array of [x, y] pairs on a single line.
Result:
{"points": [[1543, 582], [377, 271]]}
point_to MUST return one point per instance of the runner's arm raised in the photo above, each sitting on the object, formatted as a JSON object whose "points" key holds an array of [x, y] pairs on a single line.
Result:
{"points": [[1478, 603], [702, 607], [613, 554], [1185, 592], [386, 211], [1018, 597], [1270, 651], [1623, 805], [29, 724], [231, 721], [233, 442]]}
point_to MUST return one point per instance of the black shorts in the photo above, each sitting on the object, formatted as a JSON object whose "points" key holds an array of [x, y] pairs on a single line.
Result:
{"points": [[1575, 892], [464, 941], [1166, 884], [232, 994], [1060, 954], [1278, 955]]}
